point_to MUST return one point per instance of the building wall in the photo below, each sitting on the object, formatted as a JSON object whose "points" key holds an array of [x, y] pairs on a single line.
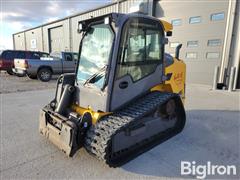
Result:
{"points": [[19, 41], [71, 38], [201, 68], [34, 39], [75, 36], [66, 36]]}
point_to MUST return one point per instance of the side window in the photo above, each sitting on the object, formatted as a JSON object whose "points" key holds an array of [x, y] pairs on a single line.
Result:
{"points": [[217, 16], [20, 55], [28, 55], [44, 55], [141, 49], [35, 55], [75, 56], [68, 57]]}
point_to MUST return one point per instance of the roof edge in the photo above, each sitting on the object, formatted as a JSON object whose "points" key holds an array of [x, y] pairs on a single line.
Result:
{"points": [[71, 16]]}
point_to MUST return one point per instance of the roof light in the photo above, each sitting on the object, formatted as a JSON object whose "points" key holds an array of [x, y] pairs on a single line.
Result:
{"points": [[80, 27], [106, 20]]}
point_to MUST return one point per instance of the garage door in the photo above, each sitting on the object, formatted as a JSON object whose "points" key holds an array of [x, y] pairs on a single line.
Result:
{"points": [[56, 42], [238, 79]]}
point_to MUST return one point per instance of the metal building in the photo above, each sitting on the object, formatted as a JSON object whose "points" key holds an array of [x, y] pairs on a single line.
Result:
{"points": [[208, 30]]}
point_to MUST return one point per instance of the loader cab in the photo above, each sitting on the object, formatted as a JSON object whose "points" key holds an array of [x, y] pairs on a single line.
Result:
{"points": [[121, 58]]}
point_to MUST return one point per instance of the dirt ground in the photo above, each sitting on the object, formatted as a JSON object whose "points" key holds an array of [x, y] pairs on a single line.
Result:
{"points": [[10, 84]]}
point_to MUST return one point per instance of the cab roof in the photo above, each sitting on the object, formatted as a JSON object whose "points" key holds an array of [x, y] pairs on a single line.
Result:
{"points": [[118, 16]]}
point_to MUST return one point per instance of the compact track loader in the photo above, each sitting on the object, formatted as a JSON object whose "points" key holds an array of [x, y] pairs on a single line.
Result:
{"points": [[126, 95]]}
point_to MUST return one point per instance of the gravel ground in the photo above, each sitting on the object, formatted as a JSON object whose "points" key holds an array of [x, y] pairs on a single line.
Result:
{"points": [[10, 84], [211, 134]]}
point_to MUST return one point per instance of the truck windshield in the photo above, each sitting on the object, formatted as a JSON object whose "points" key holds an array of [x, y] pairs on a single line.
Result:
{"points": [[95, 52]]}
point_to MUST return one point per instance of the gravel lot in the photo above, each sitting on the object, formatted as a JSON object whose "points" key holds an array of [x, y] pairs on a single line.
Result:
{"points": [[211, 134], [10, 84]]}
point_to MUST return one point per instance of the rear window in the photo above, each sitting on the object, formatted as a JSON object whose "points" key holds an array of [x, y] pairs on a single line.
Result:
{"points": [[44, 55], [56, 55], [20, 55], [8, 55], [35, 55]]}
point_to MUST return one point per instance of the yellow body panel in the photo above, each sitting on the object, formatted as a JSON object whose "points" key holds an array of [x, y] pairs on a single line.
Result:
{"points": [[167, 26], [95, 115], [176, 84]]}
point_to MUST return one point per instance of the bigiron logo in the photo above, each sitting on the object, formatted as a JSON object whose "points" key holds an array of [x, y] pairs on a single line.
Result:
{"points": [[202, 171]]}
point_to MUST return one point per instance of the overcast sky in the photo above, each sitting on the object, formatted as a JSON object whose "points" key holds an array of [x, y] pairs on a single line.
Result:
{"points": [[18, 15]]}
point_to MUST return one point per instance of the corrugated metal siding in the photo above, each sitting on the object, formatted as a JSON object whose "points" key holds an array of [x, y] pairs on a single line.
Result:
{"points": [[201, 69], [125, 7], [66, 36], [71, 38], [75, 35], [34, 36], [19, 41], [56, 39]]}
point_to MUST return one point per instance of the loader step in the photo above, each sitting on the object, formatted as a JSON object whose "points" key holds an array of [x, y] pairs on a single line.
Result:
{"points": [[106, 139]]}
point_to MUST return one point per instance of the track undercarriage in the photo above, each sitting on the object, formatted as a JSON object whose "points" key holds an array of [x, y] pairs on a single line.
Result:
{"points": [[119, 137]]}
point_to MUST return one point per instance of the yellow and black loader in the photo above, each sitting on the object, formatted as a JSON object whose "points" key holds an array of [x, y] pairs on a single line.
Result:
{"points": [[127, 94]]}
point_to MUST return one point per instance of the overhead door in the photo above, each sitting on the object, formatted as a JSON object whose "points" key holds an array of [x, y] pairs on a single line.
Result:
{"points": [[56, 42], [238, 79]]}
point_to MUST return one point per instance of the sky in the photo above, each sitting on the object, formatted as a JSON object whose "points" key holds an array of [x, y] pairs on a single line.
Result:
{"points": [[18, 15]]}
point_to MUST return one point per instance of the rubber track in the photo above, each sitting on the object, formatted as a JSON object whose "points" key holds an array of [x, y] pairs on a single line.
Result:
{"points": [[99, 136]]}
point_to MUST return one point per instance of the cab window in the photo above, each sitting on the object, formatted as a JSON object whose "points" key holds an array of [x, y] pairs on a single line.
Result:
{"points": [[141, 49], [68, 57], [44, 55], [21, 55], [75, 56], [35, 55]]}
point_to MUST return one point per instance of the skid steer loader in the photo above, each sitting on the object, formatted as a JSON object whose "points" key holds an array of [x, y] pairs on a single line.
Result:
{"points": [[126, 95]]}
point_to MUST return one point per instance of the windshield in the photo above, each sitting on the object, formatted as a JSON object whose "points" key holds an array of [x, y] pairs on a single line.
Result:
{"points": [[95, 52]]}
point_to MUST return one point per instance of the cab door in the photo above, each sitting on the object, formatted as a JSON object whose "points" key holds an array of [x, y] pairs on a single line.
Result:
{"points": [[140, 60]]}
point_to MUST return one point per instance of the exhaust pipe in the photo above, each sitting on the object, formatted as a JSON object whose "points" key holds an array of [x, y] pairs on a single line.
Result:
{"points": [[177, 52]]}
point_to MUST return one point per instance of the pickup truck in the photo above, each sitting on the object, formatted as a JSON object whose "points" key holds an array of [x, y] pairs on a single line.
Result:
{"points": [[44, 68], [7, 58]]}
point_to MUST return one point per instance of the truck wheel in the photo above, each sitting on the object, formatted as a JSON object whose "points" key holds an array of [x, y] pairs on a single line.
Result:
{"points": [[32, 76], [10, 72], [44, 74]]}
